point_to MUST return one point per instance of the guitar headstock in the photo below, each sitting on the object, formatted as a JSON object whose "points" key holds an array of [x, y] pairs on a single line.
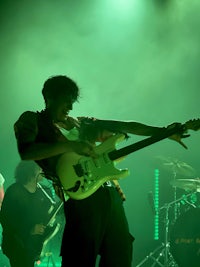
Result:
{"points": [[192, 125]]}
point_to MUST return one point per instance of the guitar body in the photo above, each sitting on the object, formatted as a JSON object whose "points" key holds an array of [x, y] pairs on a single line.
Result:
{"points": [[36, 244], [81, 176]]}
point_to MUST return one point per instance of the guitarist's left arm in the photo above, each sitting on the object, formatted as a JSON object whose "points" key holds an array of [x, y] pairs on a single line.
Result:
{"points": [[98, 130], [92, 128]]}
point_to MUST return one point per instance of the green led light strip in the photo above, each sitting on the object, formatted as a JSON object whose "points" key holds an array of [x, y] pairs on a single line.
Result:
{"points": [[156, 203]]}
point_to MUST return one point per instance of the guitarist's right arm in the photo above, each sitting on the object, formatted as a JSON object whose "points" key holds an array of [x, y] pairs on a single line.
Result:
{"points": [[26, 131]]}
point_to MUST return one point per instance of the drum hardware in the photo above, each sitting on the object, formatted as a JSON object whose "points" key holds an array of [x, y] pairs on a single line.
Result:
{"points": [[163, 251], [185, 233], [152, 256], [187, 184], [162, 255], [176, 167], [191, 201], [185, 239]]}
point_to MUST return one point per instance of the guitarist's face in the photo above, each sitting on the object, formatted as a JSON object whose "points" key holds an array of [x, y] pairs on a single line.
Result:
{"points": [[60, 108]]}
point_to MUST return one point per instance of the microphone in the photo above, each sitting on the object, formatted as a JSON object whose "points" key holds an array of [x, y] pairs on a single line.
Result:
{"points": [[151, 202]]}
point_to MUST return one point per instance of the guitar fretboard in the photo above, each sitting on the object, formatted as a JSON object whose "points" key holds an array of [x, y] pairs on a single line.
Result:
{"points": [[116, 154]]}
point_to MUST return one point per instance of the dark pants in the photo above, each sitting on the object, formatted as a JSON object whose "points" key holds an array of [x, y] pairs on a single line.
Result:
{"points": [[95, 226], [15, 252]]}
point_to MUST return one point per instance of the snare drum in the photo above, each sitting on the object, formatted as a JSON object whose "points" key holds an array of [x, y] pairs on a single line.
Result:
{"points": [[185, 239]]}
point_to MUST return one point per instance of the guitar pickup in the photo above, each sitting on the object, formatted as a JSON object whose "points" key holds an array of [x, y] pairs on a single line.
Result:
{"points": [[82, 171], [79, 170]]}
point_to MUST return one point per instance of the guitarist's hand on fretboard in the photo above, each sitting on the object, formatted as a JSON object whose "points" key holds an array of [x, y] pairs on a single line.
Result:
{"points": [[180, 133], [189, 125]]}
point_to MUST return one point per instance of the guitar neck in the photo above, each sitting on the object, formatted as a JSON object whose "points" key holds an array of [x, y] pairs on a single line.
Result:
{"points": [[54, 214], [116, 154]]}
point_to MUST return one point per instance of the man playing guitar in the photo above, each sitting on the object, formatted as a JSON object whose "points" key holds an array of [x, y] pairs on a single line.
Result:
{"points": [[95, 222]]}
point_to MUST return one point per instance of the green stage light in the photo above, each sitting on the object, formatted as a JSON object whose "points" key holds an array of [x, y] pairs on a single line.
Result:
{"points": [[156, 204]]}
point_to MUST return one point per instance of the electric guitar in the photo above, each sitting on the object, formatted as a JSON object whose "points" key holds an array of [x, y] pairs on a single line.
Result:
{"points": [[36, 244], [81, 176]]}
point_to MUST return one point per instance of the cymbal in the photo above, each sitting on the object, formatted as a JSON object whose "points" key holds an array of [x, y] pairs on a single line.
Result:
{"points": [[187, 184], [176, 166]]}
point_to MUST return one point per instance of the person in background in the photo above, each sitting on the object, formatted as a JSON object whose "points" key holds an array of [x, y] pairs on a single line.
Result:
{"points": [[25, 210], [97, 224], [2, 180]]}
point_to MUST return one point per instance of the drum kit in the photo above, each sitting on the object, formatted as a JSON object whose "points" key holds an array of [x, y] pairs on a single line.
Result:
{"points": [[181, 246]]}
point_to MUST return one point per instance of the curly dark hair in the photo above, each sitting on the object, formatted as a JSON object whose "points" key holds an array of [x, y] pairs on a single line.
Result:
{"points": [[60, 86]]}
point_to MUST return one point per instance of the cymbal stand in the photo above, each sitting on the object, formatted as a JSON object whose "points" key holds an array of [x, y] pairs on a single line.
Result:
{"points": [[164, 248], [175, 198], [151, 256], [168, 259]]}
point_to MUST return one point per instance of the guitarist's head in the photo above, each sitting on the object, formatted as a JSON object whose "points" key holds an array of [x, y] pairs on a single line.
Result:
{"points": [[60, 92]]}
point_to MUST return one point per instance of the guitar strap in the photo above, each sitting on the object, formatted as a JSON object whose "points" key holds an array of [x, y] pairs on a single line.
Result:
{"points": [[119, 190], [60, 192]]}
